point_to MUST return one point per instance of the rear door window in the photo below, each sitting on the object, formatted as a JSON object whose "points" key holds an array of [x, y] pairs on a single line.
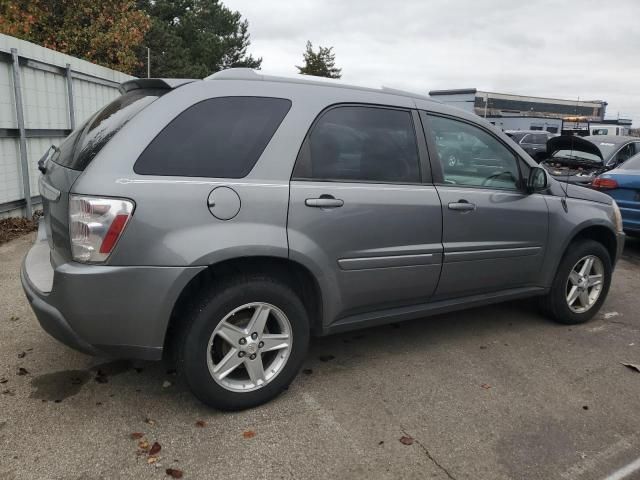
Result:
{"points": [[361, 144], [81, 147], [219, 137]]}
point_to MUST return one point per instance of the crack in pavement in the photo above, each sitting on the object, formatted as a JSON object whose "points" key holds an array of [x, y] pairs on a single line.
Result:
{"points": [[426, 451]]}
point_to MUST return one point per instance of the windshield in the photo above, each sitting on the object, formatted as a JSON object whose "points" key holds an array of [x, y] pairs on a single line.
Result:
{"points": [[84, 143], [576, 155], [632, 164]]}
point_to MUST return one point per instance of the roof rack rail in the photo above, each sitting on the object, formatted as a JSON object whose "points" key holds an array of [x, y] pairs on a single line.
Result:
{"points": [[253, 75]]}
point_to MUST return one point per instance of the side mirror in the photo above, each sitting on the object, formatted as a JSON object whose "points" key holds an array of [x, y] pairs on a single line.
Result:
{"points": [[537, 180]]}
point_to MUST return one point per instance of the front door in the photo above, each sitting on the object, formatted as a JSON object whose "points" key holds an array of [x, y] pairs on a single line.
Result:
{"points": [[494, 234], [359, 213]]}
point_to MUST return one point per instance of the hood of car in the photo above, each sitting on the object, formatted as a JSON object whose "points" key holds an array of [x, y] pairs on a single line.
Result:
{"points": [[568, 142]]}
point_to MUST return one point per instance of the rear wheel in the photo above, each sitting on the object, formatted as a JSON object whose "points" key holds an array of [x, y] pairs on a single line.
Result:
{"points": [[581, 283], [245, 344]]}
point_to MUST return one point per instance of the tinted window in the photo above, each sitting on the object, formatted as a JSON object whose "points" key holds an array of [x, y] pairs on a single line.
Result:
{"points": [[538, 138], [84, 143], [220, 137], [361, 144], [472, 157]]}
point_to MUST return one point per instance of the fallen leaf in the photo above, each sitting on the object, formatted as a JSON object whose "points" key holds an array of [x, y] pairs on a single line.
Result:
{"points": [[248, 434], [174, 472], [14, 318], [143, 445], [326, 358], [149, 421], [22, 354], [166, 384], [137, 435], [22, 371], [155, 449], [486, 386], [151, 460], [201, 423], [632, 366], [406, 440]]}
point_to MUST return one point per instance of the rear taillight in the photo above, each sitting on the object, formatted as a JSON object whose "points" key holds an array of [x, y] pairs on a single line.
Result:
{"points": [[604, 183], [95, 225]]}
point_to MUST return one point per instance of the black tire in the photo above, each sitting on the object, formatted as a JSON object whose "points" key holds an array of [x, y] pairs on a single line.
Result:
{"points": [[554, 304], [192, 354]]}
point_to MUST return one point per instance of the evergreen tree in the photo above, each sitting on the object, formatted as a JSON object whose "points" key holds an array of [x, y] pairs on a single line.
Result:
{"points": [[193, 39], [321, 63]]}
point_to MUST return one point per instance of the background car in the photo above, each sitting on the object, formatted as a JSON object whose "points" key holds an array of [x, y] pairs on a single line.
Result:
{"points": [[534, 142], [623, 184], [579, 160]]}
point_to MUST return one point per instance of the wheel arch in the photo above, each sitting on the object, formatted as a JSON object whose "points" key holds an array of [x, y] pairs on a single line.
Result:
{"points": [[298, 277], [599, 233]]}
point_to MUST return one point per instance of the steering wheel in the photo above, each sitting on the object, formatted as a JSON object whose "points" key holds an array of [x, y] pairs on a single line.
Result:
{"points": [[495, 176]]}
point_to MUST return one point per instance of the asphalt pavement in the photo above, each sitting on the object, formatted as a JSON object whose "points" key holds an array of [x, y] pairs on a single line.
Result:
{"points": [[490, 393]]}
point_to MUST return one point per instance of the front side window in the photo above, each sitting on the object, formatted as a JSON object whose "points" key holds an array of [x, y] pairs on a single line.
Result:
{"points": [[472, 157], [355, 144], [219, 138]]}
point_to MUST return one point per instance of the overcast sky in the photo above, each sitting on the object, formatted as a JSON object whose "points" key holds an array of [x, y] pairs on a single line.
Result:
{"points": [[564, 48]]}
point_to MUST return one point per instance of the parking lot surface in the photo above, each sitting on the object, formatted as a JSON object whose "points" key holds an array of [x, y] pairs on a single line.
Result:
{"points": [[491, 393]]}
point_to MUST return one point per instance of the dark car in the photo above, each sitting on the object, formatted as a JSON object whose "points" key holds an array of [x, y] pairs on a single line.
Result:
{"points": [[580, 159], [534, 142]]}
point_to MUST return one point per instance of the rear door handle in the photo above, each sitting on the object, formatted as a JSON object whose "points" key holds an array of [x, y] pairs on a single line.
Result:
{"points": [[462, 206], [324, 202]]}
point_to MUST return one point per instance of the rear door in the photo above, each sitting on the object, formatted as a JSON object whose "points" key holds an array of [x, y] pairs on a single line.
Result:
{"points": [[358, 209], [494, 234]]}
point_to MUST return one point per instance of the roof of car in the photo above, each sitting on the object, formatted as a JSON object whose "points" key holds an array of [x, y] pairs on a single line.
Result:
{"points": [[527, 131], [615, 139], [253, 75]]}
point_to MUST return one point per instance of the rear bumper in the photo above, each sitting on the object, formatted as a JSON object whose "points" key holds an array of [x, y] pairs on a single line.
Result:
{"points": [[109, 311]]}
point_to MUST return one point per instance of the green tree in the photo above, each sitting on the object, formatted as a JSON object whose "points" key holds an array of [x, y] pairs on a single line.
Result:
{"points": [[193, 39], [106, 32], [321, 63]]}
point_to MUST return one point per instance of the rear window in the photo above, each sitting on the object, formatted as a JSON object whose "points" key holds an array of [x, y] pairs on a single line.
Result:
{"points": [[80, 148], [220, 137]]}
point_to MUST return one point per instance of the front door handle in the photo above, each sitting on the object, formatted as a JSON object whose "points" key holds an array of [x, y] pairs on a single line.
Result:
{"points": [[325, 201], [462, 206]]}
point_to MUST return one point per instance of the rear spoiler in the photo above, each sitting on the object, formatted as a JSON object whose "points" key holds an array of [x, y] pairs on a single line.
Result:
{"points": [[162, 83]]}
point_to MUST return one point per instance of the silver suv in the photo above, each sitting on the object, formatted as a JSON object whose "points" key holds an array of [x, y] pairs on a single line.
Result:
{"points": [[222, 222]]}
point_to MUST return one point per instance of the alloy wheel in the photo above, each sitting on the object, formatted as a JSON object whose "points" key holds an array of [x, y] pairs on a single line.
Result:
{"points": [[585, 284], [249, 347]]}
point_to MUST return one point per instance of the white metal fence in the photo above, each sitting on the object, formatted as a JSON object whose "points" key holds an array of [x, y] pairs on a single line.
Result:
{"points": [[44, 94]]}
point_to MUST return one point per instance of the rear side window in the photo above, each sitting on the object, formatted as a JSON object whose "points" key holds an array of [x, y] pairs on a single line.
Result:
{"points": [[220, 137], [354, 143], [80, 148]]}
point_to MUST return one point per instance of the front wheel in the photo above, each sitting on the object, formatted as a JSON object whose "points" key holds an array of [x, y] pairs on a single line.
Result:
{"points": [[581, 283], [245, 344]]}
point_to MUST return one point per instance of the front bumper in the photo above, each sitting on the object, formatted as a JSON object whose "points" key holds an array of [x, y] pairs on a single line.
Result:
{"points": [[103, 310]]}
